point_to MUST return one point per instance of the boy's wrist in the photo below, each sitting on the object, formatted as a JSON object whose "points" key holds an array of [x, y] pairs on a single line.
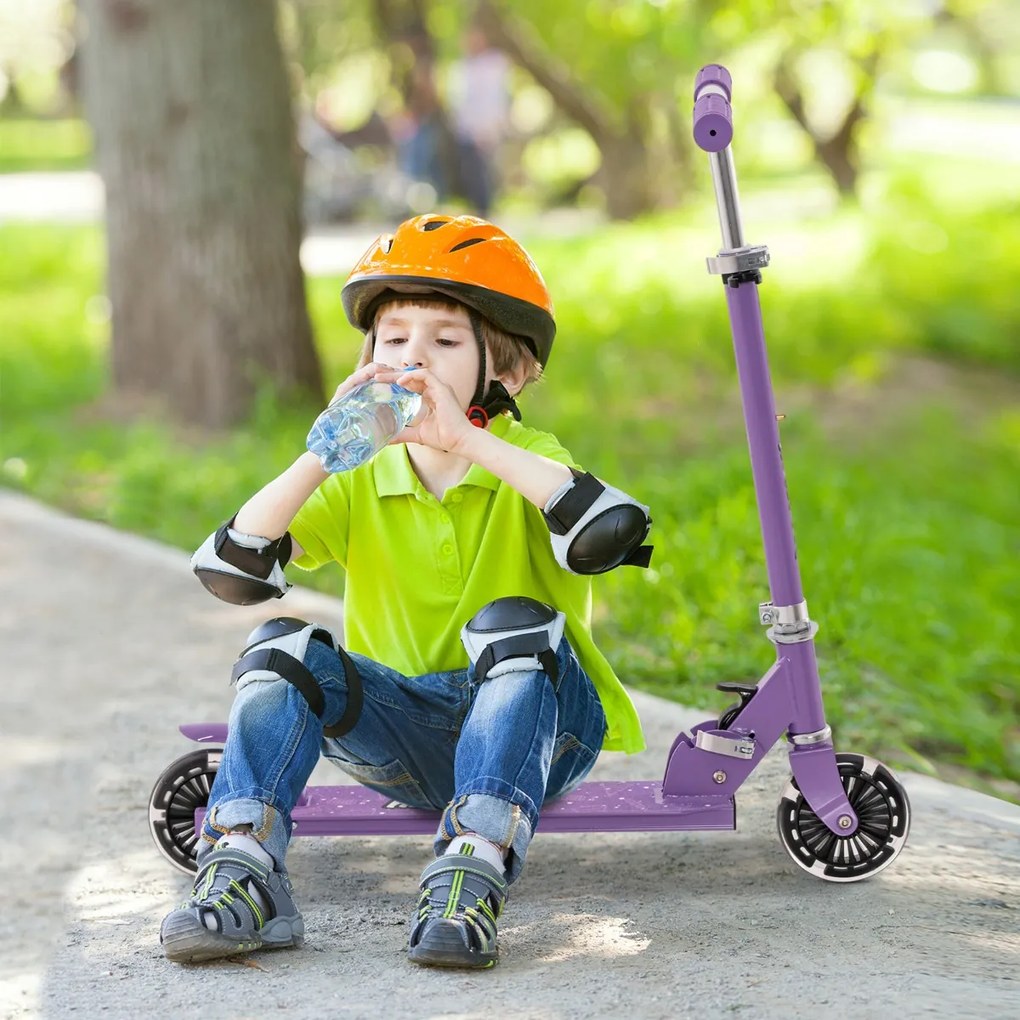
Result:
{"points": [[311, 468], [473, 443]]}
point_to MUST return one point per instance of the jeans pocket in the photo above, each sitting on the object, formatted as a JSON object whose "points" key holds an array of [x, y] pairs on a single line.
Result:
{"points": [[571, 762], [392, 779]]}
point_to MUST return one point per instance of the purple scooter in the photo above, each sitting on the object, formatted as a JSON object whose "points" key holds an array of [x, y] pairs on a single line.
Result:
{"points": [[842, 817]]}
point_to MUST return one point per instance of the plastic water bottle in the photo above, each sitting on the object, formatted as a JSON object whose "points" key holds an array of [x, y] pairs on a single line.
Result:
{"points": [[356, 426]]}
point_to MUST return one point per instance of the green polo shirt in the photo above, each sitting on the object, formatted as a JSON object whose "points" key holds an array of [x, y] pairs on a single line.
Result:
{"points": [[419, 568]]}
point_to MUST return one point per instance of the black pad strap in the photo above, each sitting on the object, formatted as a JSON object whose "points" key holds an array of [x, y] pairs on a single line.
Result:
{"points": [[355, 699], [516, 646], [258, 562], [640, 557], [574, 503], [297, 673], [292, 670]]}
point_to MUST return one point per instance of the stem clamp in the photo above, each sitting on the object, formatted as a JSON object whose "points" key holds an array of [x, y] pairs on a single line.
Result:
{"points": [[787, 625], [750, 258]]}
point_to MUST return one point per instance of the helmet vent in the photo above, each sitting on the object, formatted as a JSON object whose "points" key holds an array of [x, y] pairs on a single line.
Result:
{"points": [[435, 224], [387, 244], [467, 244]]}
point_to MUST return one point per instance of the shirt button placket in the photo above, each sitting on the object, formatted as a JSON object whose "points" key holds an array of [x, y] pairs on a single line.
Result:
{"points": [[449, 561]]}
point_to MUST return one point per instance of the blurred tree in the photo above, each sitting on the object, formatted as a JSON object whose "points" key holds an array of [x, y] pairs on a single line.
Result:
{"points": [[34, 40], [618, 69], [852, 40], [190, 107], [989, 29], [835, 149], [622, 69], [628, 84]]}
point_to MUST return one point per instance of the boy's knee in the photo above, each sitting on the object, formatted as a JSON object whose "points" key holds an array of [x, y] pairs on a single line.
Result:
{"points": [[323, 660], [307, 657], [515, 634]]}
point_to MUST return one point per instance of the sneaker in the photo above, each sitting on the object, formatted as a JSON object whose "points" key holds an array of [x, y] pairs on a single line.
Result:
{"points": [[237, 904], [455, 926]]}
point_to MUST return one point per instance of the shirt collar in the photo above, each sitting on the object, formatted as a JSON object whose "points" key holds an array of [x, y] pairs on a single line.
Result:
{"points": [[394, 475]]}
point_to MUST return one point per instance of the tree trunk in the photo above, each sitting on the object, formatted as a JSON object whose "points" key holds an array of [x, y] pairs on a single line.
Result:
{"points": [[626, 175], [837, 153], [190, 108]]}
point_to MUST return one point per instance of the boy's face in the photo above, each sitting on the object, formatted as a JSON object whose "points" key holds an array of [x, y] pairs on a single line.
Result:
{"points": [[438, 339]]}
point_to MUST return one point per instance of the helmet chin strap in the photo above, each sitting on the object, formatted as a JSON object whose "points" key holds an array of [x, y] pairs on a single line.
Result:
{"points": [[486, 405]]}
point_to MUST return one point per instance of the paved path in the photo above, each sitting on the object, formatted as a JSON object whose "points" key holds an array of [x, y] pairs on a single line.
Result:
{"points": [[109, 643], [76, 196]]}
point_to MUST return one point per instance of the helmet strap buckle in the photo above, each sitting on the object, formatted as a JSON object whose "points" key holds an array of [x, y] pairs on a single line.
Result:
{"points": [[478, 416]]}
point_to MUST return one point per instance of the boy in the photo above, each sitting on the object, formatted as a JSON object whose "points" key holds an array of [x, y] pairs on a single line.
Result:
{"points": [[470, 682]]}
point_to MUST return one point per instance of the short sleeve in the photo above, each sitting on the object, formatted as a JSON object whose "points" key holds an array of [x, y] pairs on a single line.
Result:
{"points": [[545, 444], [321, 526]]}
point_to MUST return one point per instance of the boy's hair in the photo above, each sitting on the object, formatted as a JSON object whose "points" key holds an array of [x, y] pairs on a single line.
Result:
{"points": [[506, 351]]}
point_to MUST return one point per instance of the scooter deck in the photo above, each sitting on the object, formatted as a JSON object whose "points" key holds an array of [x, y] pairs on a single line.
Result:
{"points": [[592, 807]]}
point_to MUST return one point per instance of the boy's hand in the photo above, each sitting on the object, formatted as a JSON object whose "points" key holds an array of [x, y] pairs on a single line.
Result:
{"points": [[362, 375], [441, 423]]}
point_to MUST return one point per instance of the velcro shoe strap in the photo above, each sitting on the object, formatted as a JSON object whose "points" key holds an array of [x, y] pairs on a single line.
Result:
{"points": [[480, 877], [231, 855]]}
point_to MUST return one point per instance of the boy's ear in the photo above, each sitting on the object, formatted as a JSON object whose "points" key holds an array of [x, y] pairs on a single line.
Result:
{"points": [[515, 379]]}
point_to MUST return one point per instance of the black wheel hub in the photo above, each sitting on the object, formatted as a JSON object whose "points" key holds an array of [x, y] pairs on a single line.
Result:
{"points": [[883, 814], [182, 788]]}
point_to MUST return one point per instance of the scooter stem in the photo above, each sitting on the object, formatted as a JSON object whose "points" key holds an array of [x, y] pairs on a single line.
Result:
{"points": [[740, 266], [791, 630], [763, 441]]}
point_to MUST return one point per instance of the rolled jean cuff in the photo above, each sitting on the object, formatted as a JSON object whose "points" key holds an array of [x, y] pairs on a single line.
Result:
{"points": [[267, 826], [496, 819]]}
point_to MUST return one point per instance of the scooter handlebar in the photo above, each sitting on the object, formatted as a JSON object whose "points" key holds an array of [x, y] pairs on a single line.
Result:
{"points": [[713, 118]]}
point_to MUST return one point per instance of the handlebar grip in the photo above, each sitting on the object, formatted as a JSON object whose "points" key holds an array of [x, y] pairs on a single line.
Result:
{"points": [[713, 118]]}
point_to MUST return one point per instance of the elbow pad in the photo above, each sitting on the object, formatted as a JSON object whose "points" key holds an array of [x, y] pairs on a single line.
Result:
{"points": [[242, 569], [595, 527]]}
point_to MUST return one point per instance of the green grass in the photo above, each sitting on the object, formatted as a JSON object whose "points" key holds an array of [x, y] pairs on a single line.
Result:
{"points": [[31, 144], [892, 359]]}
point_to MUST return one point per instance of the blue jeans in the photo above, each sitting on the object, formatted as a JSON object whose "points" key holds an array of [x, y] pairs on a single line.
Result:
{"points": [[487, 754]]}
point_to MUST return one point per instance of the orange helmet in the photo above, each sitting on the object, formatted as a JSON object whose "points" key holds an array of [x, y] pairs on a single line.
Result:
{"points": [[461, 257]]}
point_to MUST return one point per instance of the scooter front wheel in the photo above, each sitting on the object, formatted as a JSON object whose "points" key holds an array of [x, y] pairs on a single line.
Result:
{"points": [[883, 814], [183, 786]]}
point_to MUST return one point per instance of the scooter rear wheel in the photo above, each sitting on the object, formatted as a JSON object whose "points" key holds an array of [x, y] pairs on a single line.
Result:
{"points": [[183, 786], [883, 813]]}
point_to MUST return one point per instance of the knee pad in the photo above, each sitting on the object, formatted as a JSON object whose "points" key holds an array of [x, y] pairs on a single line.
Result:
{"points": [[275, 650], [514, 635]]}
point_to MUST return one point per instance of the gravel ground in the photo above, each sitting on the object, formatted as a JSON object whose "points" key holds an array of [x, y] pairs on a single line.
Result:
{"points": [[110, 644]]}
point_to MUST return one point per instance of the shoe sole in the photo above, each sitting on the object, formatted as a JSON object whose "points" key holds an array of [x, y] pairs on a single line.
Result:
{"points": [[186, 940], [439, 958], [441, 945]]}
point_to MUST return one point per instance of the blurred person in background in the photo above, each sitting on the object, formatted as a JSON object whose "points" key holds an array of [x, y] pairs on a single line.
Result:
{"points": [[421, 131], [480, 106]]}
